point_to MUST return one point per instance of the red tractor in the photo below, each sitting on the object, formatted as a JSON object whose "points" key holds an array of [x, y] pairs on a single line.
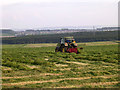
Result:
{"points": [[67, 44]]}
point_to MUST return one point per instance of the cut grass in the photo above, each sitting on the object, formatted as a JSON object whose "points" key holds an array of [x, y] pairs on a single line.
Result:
{"points": [[95, 78], [92, 65]]}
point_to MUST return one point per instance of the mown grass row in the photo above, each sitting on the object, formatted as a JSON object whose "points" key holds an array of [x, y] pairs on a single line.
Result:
{"points": [[64, 83]]}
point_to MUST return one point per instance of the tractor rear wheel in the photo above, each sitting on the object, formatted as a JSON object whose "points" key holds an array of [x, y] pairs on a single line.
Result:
{"points": [[56, 49], [62, 49]]}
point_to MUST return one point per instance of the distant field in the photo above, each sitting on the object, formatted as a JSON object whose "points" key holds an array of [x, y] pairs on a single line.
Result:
{"points": [[6, 36], [54, 44], [38, 66], [41, 45]]}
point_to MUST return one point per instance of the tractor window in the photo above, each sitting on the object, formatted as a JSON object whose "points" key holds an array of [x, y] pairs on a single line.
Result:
{"points": [[62, 41]]}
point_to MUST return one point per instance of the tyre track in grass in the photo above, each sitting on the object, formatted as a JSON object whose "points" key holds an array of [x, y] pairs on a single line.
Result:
{"points": [[79, 63], [44, 74], [56, 80], [90, 84]]}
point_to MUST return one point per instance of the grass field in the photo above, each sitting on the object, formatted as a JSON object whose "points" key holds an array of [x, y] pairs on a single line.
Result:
{"points": [[38, 66]]}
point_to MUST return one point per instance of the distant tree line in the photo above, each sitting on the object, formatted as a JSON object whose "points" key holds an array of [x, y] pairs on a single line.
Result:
{"points": [[8, 32], [54, 38]]}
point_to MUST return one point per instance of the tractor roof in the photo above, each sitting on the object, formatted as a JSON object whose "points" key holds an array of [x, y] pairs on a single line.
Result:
{"points": [[69, 38]]}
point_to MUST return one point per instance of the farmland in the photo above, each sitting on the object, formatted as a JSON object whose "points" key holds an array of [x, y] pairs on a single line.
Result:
{"points": [[38, 66]]}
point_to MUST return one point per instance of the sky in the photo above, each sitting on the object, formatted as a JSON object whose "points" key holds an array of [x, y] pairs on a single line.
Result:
{"points": [[30, 14]]}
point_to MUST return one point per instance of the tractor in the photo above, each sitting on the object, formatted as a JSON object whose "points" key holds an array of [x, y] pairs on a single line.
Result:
{"points": [[67, 44]]}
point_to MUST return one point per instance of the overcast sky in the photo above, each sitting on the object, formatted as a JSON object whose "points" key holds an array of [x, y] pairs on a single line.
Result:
{"points": [[24, 14]]}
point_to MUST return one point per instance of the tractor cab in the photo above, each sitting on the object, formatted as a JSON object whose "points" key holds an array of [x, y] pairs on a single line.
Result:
{"points": [[67, 40], [67, 44]]}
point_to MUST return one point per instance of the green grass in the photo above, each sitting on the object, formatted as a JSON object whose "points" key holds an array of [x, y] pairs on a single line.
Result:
{"points": [[94, 60]]}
